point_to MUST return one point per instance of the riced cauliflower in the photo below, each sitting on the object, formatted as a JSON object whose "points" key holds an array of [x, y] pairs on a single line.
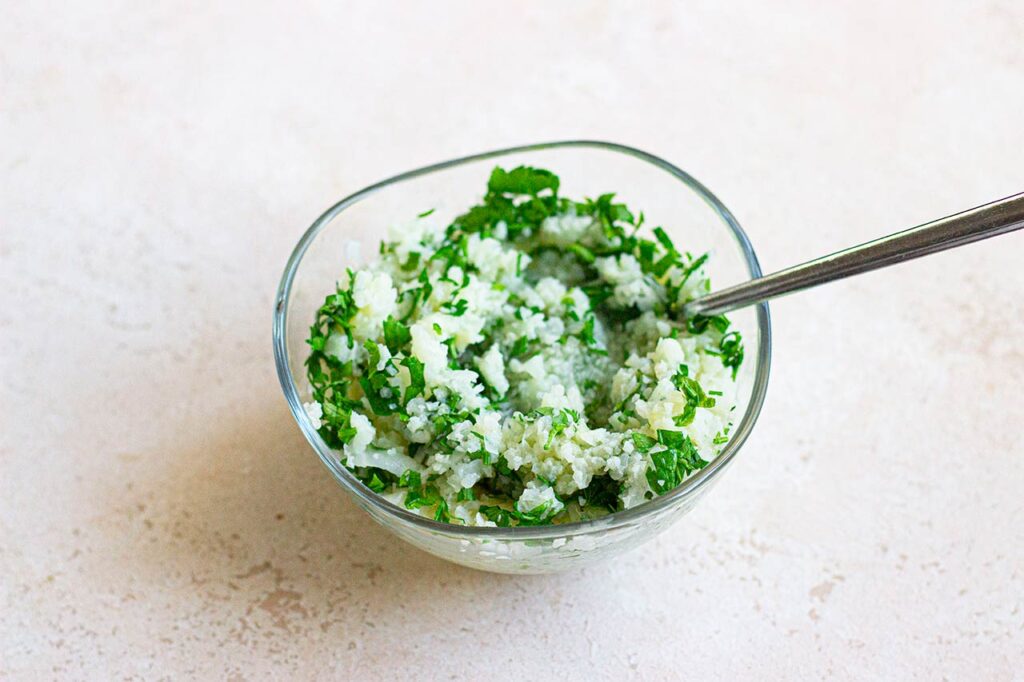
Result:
{"points": [[526, 364]]}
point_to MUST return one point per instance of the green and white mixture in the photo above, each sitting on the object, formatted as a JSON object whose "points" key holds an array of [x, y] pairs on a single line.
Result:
{"points": [[525, 364]]}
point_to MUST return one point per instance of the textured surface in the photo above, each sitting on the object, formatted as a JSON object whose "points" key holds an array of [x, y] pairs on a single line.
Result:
{"points": [[160, 514]]}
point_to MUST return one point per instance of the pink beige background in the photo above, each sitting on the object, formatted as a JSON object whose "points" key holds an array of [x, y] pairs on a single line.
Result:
{"points": [[162, 518]]}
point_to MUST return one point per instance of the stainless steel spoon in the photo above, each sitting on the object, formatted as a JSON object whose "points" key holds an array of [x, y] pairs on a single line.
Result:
{"points": [[975, 224]]}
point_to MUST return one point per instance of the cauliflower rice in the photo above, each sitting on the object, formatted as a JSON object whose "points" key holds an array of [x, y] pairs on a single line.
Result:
{"points": [[526, 364]]}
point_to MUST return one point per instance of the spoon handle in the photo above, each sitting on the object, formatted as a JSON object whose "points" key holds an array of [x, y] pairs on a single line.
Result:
{"points": [[982, 222]]}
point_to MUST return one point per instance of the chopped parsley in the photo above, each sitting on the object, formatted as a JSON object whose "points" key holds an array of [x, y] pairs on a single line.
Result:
{"points": [[396, 335], [532, 393]]}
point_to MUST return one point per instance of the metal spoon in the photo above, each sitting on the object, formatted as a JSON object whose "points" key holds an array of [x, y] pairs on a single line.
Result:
{"points": [[975, 224]]}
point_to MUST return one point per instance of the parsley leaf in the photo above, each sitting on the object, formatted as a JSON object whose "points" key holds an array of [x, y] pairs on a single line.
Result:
{"points": [[671, 439], [537, 516], [560, 420], [694, 394], [674, 463], [520, 347], [499, 516], [583, 253], [396, 334], [458, 308], [698, 324], [428, 496], [377, 480], [522, 180], [663, 237], [410, 479], [731, 349], [416, 382], [374, 388], [413, 262], [603, 491], [643, 442]]}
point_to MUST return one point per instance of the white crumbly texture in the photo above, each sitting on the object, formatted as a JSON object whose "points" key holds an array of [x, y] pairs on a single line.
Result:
{"points": [[499, 395]]}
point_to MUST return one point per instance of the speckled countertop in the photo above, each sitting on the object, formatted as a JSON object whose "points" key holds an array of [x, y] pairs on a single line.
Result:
{"points": [[162, 517]]}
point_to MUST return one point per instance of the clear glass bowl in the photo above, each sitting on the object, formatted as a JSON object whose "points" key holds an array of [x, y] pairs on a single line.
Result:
{"points": [[349, 233]]}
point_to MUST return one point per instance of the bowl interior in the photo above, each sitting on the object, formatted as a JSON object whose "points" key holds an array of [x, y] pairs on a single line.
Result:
{"points": [[349, 234]]}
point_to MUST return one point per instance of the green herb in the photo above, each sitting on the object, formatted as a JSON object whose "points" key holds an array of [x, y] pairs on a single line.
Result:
{"points": [[643, 442], [502, 467], [420, 294], [520, 347], [499, 516], [458, 308], [377, 480], [374, 387], [731, 349], [693, 267], [587, 333], [608, 214], [373, 355], [481, 452], [698, 324], [396, 335], [560, 421], [662, 266], [671, 438], [428, 496], [413, 262], [646, 250], [539, 515], [674, 463], [598, 293], [604, 492], [522, 180], [582, 252], [330, 378], [416, 381], [694, 394], [376, 484], [454, 253], [410, 479], [663, 237]]}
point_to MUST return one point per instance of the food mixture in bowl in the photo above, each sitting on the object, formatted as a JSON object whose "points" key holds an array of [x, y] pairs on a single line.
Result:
{"points": [[526, 364]]}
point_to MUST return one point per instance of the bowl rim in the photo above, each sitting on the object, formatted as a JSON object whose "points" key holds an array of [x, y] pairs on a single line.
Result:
{"points": [[688, 488]]}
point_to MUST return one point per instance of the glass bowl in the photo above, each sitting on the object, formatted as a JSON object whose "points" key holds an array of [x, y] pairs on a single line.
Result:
{"points": [[352, 229]]}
